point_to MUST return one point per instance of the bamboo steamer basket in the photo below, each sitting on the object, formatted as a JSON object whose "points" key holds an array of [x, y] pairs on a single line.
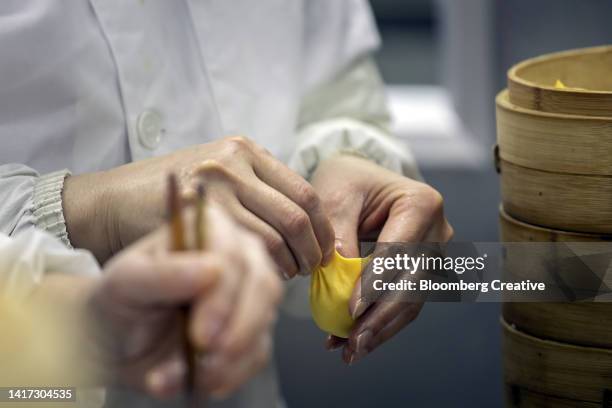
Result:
{"points": [[554, 142], [517, 397], [556, 369], [513, 230], [588, 323], [568, 202], [585, 72]]}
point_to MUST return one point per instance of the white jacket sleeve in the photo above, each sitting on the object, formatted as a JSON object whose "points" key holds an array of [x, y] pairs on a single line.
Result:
{"points": [[350, 114], [27, 257], [343, 105], [30, 200]]}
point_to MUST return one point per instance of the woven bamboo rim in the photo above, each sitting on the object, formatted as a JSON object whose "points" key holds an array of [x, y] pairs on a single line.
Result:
{"points": [[531, 82], [566, 202], [556, 369], [553, 142]]}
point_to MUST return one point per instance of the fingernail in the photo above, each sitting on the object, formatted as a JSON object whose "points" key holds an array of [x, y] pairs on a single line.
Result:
{"points": [[332, 345], [363, 342], [327, 258], [352, 359], [360, 308]]}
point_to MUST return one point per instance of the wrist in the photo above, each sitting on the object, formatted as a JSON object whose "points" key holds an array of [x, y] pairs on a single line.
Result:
{"points": [[86, 212]]}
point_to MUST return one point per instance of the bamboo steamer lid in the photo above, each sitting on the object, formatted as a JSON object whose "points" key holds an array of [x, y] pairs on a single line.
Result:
{"points": [[585, 323], [553, 142], [517, 397], [569, 202], [585, 72], [556, 369]]}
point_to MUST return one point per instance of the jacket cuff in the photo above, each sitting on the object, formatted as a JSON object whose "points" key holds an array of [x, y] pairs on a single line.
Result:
{"points": [[348, 136], [48, 211]]}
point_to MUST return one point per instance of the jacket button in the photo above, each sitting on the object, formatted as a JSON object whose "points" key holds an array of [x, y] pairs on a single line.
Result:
{"points": [[149, 128]]}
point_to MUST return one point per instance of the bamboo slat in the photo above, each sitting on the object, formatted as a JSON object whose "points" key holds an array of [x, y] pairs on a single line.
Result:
{"points": [[560, 201], [513, 230], [585, 72], [517, 397], [587, 323], [556, 369], [553, 142]]}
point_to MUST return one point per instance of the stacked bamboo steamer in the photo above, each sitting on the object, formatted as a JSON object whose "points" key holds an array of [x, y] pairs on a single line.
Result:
{"points": [[554, 155]]}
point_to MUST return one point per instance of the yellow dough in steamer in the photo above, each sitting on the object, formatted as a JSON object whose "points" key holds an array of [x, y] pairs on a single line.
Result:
{"points": [[331, 287]]}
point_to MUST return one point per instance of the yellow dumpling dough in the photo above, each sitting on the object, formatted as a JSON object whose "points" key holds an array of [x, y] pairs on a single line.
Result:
{"points": [[560, 85], [331, 287]]}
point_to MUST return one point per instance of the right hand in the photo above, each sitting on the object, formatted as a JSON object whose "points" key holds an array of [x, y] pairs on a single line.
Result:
{"points": [[108, 210]]}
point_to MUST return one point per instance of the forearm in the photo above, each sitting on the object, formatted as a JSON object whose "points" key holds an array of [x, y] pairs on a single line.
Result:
{"points": [[86, 206]]}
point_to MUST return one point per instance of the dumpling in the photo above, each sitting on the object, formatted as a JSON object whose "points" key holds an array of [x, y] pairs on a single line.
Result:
{"points": [[331, 287]]}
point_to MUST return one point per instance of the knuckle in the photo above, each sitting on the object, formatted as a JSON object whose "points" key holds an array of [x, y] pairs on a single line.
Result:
{"points": [[450, 232], [237, 144], [434, 198], [273, 242], [296, 223], [213, 169], [428, 199], [306, 197]]}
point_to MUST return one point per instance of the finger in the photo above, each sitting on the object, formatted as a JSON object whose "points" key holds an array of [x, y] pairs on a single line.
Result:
{"points": [[357, 305], [334, 343], [366, 342], [407, 222], [345, 222], [162, 278], [276, 245], [441, 231], [210, 314], [286, 217], [392, 328], [168, 378], [256, 307], [379, 316], [221, 375], [278, 176]]}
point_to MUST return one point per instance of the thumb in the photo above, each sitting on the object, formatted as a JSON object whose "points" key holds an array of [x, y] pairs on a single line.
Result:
{"points": [[346, 225]]}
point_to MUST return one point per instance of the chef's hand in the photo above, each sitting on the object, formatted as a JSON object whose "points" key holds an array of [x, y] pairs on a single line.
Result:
{"points": [[360, 198], [232, 290], [108, 210]]}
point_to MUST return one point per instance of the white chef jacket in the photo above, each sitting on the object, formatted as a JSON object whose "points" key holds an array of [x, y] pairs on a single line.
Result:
{"points": [[88, 85]]}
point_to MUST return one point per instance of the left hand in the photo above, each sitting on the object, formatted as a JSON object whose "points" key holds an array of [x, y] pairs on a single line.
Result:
{"points": [[361, 198]]}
